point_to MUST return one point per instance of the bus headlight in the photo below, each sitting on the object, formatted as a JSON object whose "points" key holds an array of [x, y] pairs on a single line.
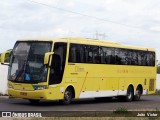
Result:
{"points": [[10, 86], [40, 87]]}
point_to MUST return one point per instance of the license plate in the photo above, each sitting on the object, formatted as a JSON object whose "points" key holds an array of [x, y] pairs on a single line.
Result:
{"points": [[23, 93]]}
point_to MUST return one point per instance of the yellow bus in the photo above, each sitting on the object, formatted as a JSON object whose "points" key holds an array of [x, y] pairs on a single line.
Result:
{"points": [[72, 68]]}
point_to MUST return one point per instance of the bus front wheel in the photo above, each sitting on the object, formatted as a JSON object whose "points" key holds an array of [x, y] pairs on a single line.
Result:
{"points": [[68, 95]]}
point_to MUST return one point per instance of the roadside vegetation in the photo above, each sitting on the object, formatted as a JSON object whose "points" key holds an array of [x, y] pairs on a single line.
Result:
{"points": [[157, 92], [1, 94], [158, 67], [0, 57], [121, 110]]}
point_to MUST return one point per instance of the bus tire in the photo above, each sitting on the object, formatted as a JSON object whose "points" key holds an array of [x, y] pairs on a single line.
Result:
{"points": [[138, 94], [68, 96], [130, 94], [34, 102]]}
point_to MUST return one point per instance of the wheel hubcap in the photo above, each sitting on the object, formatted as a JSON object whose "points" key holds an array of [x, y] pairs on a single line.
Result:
{"points": [[130, 95], [138, 93], [67, 96]]}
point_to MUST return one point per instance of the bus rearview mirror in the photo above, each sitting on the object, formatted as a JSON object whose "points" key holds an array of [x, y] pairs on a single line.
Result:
{"points": [[5, 57], [47, 56]]}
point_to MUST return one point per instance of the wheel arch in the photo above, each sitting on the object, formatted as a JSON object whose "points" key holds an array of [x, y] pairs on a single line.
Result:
{"points": [[72, 88], [140, 87], [131, 85]]}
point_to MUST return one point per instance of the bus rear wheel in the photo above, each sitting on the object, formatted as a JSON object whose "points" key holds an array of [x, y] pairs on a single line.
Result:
{"points": [[68, 95], [138, 94], [130, 94]]}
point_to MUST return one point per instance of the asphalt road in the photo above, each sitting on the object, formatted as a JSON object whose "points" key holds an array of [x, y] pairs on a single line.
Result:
{"points": [[151, 102]]}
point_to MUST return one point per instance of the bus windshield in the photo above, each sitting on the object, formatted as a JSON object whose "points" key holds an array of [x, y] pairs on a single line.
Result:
{"points": [[26, 63]]}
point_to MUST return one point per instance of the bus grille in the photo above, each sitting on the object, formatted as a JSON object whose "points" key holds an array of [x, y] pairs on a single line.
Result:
{"points": [[151, 85]]}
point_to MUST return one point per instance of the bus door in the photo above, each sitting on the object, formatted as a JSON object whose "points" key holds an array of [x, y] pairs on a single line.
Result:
{"points": [[58, 63]]}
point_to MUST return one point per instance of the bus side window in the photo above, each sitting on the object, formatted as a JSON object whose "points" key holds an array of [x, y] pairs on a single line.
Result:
{"points": [[96, 57], [150, 59], [109, 55], [105, 55], [90, 54], [72, 53], [118, 56], [134, 58], [102, 55], [142, 58], [139, 59], [79, 53], [90, 57], [85, 53]]}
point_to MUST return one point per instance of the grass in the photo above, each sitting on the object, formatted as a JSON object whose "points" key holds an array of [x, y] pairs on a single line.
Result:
{"points": [[121, 110]]}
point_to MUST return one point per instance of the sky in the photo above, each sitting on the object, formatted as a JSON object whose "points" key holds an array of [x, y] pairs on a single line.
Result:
{"points": [[131, 22]]}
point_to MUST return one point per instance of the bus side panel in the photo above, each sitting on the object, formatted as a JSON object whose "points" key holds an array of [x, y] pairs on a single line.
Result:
{"points": [[109, 80]]}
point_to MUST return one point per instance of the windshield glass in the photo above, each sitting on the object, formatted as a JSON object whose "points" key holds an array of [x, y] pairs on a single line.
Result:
{"points": [[26, 63]]}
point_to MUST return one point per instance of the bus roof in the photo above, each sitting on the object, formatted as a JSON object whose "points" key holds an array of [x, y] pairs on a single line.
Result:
{"points": [[93, 42]]}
